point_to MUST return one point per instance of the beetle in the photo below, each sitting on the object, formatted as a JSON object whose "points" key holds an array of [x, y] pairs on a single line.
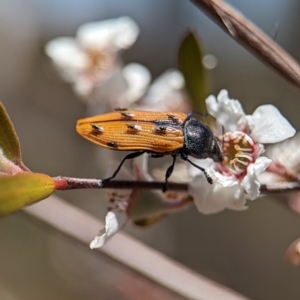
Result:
{"points": [[156, 133]]}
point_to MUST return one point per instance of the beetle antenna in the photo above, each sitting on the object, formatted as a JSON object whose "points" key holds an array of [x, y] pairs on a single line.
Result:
{"points": [[223, 132], [196, 112]]}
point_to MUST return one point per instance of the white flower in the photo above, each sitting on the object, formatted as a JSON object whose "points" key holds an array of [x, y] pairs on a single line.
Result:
{"points": [[236, 179], [228, 112], [137, 78], [224, 193], [92, 57], [68, 57], [113, 222], [118, 34], [116, 217], [250, 182], [265, 125]]}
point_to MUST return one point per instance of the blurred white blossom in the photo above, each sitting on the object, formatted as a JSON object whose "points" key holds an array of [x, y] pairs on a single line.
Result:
{"points": [[93, 56], [166, 93], [293, 253], [209, 61], [116, 34], [92, 64], [236, 179], [137, 78]]}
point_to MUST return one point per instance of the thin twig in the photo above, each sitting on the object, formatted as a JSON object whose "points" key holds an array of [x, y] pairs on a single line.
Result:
{"points": [[280, 187], [69, 183], [249, 35]]}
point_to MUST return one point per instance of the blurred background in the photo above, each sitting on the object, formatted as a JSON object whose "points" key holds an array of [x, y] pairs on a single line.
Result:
{"points": [[243, 251]]}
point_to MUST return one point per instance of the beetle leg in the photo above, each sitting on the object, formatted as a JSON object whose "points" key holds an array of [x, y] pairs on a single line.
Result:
{"points": [[156, 155], [169, 173], [129, 156], [208, 178]]}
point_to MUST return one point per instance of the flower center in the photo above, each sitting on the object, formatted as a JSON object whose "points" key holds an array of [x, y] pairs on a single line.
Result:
{"points": [[99, 60], [239, 152]]}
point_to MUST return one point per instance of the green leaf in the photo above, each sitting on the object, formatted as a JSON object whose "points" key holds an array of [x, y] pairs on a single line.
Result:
{"points": [[9, 142], [23, 189], [196, 76]]}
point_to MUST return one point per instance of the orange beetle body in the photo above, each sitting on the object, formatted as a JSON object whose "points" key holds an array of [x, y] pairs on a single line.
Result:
{"points": [[157, 133], [135, 130]]}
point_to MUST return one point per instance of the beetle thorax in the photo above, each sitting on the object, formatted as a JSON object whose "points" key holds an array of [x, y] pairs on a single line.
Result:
{"points": [[200, 141]]}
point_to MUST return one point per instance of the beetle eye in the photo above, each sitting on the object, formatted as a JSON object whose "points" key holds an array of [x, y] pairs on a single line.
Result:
{"points": [[216, 153]]}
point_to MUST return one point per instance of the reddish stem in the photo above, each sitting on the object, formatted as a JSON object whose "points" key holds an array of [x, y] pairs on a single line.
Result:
{"points": [[69, 183]]}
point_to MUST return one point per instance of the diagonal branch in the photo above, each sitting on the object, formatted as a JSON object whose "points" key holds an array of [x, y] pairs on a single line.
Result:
{"points": [[80, 225], [250, 36]]}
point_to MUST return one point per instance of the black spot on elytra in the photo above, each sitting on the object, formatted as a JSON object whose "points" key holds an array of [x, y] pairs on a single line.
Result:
{"points": [[113, 144], [161, 129], [134, 127], [127, 114], [98, 128]]}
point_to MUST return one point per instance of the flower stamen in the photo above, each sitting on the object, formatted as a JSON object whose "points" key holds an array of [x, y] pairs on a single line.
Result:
{"points": [[240, 151]]}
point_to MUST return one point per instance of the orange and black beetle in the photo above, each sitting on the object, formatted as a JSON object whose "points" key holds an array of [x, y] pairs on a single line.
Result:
{"points": [[157, 133]]}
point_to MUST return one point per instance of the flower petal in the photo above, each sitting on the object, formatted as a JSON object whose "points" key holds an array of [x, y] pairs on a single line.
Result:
{"points": [[214, 198], [110, 88], [286, 153], [83, 86], [250, 181], [67, 57], [113, 222], [138, 78], [228, 112], [118, 33], [268, 125], [166, 93]]}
